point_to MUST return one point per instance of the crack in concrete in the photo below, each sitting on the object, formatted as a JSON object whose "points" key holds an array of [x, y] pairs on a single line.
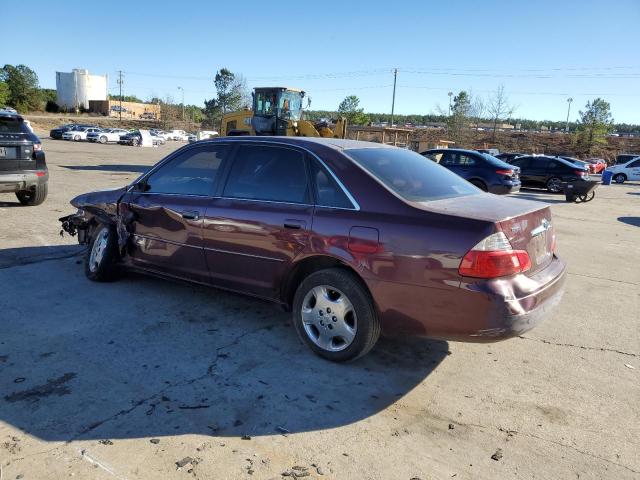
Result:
{"points": [[582, 347], [604, 278], [138, 403], [582, 452]]}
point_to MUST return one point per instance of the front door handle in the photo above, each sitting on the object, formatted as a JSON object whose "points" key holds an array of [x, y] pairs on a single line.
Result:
{"points": [[295, 224], [190, 215]]}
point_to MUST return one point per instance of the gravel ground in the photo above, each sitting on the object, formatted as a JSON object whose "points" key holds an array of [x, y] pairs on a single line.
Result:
{"points": [[143, 378]]}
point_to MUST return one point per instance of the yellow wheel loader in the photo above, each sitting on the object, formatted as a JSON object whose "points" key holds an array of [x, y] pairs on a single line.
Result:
{"points": [[278, 111]]}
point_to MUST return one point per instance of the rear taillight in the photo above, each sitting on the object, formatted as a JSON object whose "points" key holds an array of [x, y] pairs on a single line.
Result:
{"points": [[580, 173], [493, 257], [37, 147], [504, 172]]}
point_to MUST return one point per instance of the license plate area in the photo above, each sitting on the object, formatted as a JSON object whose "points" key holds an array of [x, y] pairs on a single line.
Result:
{"points": [[3, 152], [539, 248]]}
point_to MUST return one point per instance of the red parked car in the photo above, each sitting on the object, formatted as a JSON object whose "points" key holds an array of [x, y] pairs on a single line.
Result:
{"points": [[354, 237], [596, 165]]}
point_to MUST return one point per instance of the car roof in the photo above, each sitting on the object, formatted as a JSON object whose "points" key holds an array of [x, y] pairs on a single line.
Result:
{"points": [[334, 143]]}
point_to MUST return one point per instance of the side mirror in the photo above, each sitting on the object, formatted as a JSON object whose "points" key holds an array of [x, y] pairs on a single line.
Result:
{"points": [[141, 187]]}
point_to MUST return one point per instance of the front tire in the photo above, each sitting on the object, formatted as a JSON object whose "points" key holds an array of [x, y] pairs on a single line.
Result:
{"points": [[76, 138], [334, 315], [103, 139], [619, 178], [134, 142], [31, 198], [554, 185], [100, 261]]}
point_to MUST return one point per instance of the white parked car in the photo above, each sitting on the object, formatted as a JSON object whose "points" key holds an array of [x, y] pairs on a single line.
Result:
{"points": [[179, 135], [79, 133], [106, 135], [626, 171]]}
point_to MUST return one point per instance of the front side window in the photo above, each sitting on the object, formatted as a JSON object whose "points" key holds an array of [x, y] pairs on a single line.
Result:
{"points": [[268, 173], [191, 173], [466, 160], [410, 175]]}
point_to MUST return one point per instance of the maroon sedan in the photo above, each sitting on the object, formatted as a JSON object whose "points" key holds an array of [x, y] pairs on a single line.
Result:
{"points": [[356, 238]]}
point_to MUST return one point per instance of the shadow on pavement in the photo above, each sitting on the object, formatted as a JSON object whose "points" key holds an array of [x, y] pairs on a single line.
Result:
{"points": [[539, 196], [144, 357], [633, 221], [110, 168]]}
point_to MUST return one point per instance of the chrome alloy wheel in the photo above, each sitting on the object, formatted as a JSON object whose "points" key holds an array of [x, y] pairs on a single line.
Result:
{"points": [[555, 185], [329, 318], [98, 249]]}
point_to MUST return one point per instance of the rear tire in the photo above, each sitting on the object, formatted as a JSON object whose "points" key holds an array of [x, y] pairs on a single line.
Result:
{"points": [[480, 184], [134, 142], [100, 261], [619, 178], [346, 333], [31, 198], [76, 138], [554, 185]]}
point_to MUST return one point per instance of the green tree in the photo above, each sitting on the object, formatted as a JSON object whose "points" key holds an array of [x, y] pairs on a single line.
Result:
{"points": [[349, 108], [4, 94], [231, 95], [126, 98], [594, 124], [22, 83]]}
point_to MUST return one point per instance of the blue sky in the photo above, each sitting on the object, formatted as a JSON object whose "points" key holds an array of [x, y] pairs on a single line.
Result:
{"points": [[542, 52]]}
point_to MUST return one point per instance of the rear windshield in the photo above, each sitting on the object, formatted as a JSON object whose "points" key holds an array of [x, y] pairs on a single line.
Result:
{"points": [[410, 175], [13, 125]]}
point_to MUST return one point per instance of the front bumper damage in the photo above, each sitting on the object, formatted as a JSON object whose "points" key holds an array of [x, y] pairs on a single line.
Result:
{"points": [[82, 224]]}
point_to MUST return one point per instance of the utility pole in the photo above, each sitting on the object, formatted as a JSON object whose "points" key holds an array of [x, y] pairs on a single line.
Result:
{"points": [[393, 101], [566, 127], [120, 83], [450, 94], [182, 89]]}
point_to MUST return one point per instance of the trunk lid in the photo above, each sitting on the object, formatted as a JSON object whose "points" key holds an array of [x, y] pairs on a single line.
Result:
{"points": [[15, 150], [527, 224]]}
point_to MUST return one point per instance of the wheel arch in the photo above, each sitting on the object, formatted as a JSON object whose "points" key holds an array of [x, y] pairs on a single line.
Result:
{"points": [[305, 267]]}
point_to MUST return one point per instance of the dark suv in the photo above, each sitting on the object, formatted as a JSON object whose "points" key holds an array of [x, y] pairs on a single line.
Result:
{"points": [[23, 170], [548, 172], [481, 169]]}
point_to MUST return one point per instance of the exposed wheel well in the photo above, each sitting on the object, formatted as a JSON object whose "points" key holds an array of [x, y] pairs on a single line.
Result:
{"points": [[306, 267]]}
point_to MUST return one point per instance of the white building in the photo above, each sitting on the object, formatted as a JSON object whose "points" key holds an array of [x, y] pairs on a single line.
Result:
{"points": [[75, 89]]}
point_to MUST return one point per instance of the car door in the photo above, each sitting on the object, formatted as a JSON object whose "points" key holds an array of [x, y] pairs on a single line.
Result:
{"points": [[538, 171], [260, 220], [633, 170], [168, 207], [525, 175], [467, 166]]}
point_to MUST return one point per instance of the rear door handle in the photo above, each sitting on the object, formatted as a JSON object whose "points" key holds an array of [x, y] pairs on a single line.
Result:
{"points": [[190, 215], [295, 224]]}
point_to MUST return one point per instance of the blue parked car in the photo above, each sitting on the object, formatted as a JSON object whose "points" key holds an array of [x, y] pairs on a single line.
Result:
{"points": [[483, 170]]}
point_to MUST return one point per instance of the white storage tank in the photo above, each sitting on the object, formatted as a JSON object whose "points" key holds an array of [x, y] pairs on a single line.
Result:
{"points": [[75, 89]]}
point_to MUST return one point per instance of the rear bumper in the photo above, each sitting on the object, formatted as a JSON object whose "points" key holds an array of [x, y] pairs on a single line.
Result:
{"points": [[505, 188], [22, 180], [476, 311]]}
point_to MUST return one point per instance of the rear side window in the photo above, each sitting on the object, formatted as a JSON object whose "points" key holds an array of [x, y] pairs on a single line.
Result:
{"points": [[634, 164], [466, 160], [191, 173], [328, 192], [410, 175], [268, 173], [555, 165], [13, 125]]}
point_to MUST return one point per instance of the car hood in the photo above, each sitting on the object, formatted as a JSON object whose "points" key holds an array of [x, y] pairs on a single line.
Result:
{"points": [[482, 206], [101, 200]]}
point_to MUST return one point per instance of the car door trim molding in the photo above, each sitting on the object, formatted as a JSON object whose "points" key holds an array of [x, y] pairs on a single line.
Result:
{"points": [[217, 250], [251, 255]]}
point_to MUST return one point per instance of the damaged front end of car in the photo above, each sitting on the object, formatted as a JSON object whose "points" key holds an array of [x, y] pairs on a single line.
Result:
{"points": [[95, 209]]}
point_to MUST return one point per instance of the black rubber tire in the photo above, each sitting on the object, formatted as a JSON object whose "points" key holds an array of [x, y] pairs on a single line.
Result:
{"points": [[107, 269], [619, 178], [35, 197], [369, 325], [549, 182], [134, 142], [103, 139], [480, 184], [76, 138]]}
